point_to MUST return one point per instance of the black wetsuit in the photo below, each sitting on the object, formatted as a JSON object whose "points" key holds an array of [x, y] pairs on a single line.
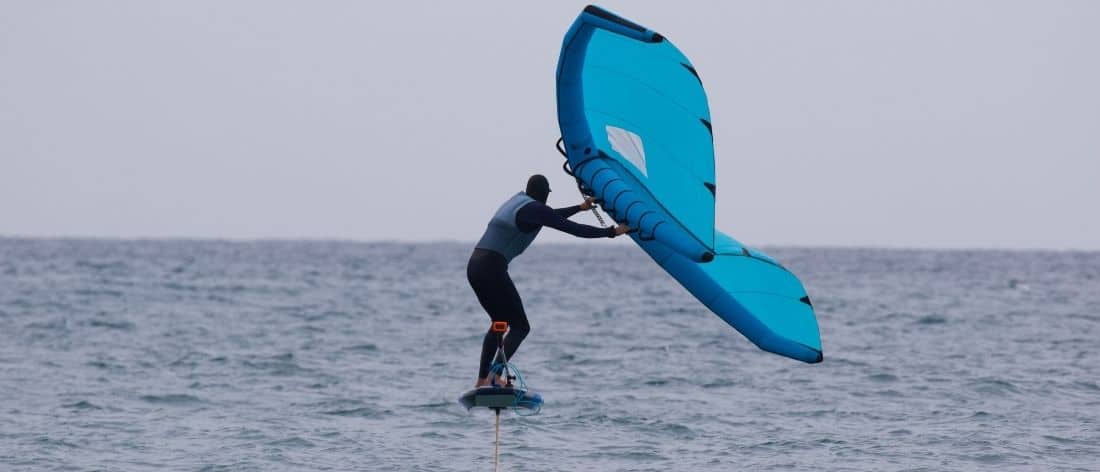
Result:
{"points": [[487, 272]]}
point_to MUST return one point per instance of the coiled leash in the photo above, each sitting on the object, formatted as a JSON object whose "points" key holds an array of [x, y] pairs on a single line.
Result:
{"points": [[560, 145]]}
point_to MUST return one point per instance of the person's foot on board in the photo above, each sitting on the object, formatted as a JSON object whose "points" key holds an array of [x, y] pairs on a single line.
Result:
{"points": [[489, 381]]}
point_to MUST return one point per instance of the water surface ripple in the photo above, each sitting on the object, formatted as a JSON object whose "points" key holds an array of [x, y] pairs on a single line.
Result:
{"points": [[209, 355]]}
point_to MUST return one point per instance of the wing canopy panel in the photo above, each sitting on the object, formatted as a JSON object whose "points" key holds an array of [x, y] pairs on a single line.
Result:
{"points": [[631, 97]]}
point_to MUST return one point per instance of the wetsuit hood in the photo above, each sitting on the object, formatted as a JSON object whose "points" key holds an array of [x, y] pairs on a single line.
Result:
{"points": [[538, 188]]}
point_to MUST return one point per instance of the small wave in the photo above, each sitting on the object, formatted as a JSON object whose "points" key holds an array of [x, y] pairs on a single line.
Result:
{"points": [[361, 412], [217, 385], [102, 266], [640, 456], [348, 407], [847, 361], [990, 458], [1087, 385], [432, 406], [280, 365], [291, 442], [777, 444], [1084, 316], [990, 386], [58, 324], [443, 436], [101, 364], [720, 383], [180, 287], [884, 378], [119, 325], [48, 441], [172, 399], [1061, 440], [82, 405], [97, 292], [190, 359], [362, 348], [678, 430], [931, 320]]}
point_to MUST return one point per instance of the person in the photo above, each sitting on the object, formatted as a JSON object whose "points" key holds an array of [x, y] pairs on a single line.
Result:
{"points": [[510, 231]]}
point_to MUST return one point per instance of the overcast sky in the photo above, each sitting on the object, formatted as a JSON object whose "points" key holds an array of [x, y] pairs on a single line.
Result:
{"points": [[869, 123]]}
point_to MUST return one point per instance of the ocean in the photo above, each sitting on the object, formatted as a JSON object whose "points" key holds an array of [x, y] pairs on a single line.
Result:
{"points": [[308, 355]]}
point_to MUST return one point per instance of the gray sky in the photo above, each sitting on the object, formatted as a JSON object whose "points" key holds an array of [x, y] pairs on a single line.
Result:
{"points": [[917, 124]]}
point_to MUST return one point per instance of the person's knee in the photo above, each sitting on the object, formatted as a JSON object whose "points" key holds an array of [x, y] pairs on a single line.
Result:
{"points": [[519, 329]]}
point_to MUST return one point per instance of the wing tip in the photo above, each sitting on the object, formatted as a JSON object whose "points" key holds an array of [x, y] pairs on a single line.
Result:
{"points": [[817, 360], [642, 32]]}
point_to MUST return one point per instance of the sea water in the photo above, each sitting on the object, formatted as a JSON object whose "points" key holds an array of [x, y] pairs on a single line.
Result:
{"points": [[212, 355]]}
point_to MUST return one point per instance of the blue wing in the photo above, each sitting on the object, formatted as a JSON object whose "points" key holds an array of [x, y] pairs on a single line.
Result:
{"points": [[636, 127]]}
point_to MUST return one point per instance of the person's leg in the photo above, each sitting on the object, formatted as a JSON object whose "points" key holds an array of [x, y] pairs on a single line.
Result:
{"points": [[518, 327], [489, 344], [488, 276], [488, 349]]}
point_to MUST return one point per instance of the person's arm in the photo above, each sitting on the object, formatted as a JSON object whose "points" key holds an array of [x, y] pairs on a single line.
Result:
{"points": [[573, 210], [536, 214], [567, 211]]}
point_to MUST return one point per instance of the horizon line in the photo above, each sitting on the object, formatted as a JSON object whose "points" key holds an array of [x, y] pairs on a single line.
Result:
{"points": [[442, 241]]}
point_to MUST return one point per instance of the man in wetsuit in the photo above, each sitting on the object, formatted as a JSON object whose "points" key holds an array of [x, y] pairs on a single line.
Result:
{"points": [[510, 231]]}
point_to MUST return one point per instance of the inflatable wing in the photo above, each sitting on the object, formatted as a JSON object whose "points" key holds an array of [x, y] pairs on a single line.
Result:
{"points": [[637, 135]]}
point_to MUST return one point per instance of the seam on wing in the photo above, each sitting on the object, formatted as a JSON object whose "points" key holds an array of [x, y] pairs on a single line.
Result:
{"points": [[761, 292]]}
